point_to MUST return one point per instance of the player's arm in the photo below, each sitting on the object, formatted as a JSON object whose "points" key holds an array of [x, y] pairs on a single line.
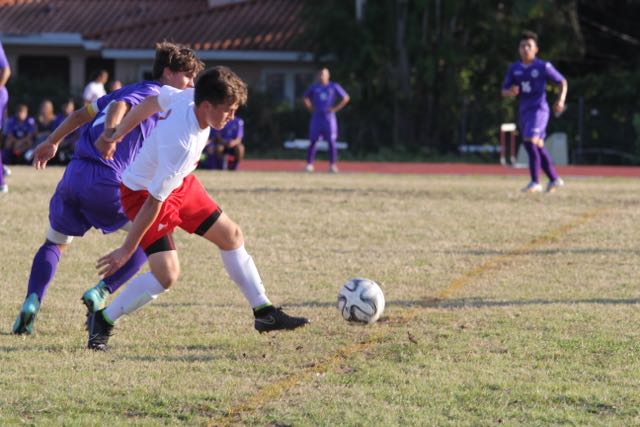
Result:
{"points": [[344, 101], [147, 214], [138, 114], [307, 103], [558, 107], [47, 150], [5, 73], [115, 114], [509, 88]]}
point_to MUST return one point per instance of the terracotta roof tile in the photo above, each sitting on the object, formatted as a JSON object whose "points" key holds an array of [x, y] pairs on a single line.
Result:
{"points": [[125, 24]]}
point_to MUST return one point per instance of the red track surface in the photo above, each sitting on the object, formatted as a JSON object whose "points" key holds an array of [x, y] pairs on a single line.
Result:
{"points": [[434, 168]]}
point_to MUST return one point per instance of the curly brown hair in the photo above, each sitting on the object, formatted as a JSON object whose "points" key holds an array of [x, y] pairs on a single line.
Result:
{"points": [[177, 58]]}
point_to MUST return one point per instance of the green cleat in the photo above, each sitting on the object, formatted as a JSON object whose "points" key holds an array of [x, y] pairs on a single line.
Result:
{"points": [[96, 298], [27, 316]]}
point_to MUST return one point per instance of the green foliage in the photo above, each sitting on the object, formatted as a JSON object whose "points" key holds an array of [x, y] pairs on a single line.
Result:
{"points": [[428, 73]]}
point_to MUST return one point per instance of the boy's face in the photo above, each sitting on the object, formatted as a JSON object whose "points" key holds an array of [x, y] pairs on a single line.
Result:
{"points": [[219, 115], [21, 114], [323, 76], [528, 50], [178, 79]]}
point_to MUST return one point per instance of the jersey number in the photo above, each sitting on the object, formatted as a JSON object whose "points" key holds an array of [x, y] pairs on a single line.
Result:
{"points": [[526, 87]]}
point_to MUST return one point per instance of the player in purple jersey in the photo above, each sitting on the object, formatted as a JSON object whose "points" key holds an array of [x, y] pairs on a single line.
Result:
{"points": [[88, 193], [320, 100], [5, 72], [527, 80], [227, 141]]}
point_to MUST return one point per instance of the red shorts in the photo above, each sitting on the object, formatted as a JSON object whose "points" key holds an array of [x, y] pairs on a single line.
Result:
{"points": [[187, 207]]}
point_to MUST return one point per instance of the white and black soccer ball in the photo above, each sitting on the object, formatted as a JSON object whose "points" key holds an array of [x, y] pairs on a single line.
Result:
{"points": [[361, 300]]}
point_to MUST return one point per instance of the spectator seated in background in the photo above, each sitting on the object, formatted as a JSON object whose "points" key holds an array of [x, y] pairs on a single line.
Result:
{"points": [[225, 149], [68, 144], [21, 131], [46, 121]]}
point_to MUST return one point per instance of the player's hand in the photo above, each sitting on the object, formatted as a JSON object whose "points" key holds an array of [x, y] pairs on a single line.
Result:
{"points": [[558, 107], [514, 90], [43, 153], [109, 264], [106, 144]]}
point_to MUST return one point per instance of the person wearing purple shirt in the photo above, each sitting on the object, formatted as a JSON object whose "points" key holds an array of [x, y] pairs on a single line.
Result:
{"points": [[227, 141], [88, 194], [21, 131], [527, 80], [320, 100], [5, 73]]}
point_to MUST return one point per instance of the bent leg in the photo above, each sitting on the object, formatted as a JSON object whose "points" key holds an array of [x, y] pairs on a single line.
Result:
{"points": [[534, 160]]}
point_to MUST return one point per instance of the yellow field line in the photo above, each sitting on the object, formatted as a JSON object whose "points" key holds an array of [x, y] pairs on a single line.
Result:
{"points": [[276, 388]]}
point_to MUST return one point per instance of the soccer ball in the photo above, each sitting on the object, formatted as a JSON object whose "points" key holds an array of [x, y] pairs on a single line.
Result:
{"points": [[361, 300]]}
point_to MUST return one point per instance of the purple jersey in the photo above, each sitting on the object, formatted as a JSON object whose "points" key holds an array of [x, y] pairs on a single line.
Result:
{"points": [[4, 95], [20, 128], [323, 97], [232, 130], [126, 150], [532, 81]]}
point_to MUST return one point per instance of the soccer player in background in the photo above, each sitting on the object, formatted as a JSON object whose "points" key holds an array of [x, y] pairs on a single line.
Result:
{"points": [[159, 193], [320, 100], [21, 132], [5, 73], [88, 194], [95, 88], [227, 142], [527, 80]]}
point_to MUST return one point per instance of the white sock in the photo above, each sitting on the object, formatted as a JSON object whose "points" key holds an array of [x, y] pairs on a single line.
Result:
{"points": [[243, 272], [139, 291]]}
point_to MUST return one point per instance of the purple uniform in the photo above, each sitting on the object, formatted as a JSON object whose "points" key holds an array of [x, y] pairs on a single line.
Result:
{"points": [[20, 128], [323, 121], [232, 130], [532, 80], [88, 194], [4, 95]]}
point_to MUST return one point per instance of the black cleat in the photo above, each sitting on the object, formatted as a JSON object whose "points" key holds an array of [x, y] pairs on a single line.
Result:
{"points": [[273, 319], [99, 331]]}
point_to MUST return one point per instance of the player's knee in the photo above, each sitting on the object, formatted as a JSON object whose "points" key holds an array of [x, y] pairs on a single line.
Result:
{"points": [[168, 277], [165, 267]]}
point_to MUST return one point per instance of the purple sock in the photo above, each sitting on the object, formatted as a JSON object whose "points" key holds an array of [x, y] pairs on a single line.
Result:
{"points": [[534, 160], [547, 164], [333, 151], [311, 152], [127, 271], [1, 170], [44, 267]]}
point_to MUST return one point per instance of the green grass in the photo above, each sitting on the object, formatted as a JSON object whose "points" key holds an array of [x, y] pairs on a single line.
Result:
{"points": [[501, 308]]}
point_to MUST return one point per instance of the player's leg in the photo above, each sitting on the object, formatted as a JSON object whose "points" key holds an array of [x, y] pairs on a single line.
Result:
{"points": [[546, 162], [314, 135], [238, 154], [95, 298], [534, 167], [333, 149], [66, 221], [3, 185], [165, 269]]}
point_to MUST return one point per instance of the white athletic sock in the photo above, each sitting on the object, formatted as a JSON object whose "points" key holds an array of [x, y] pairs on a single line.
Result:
{"points": [[243, 272], [139, 291]]}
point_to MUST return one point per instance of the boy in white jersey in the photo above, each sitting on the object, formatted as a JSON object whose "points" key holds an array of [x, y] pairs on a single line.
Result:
{"points": [[159, 192]]}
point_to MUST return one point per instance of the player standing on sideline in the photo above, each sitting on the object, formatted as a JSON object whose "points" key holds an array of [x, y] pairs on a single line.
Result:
{"points": [[95, 88], [319, 99], [159, 193], [528, 80], [88, 194], [5, 73]]}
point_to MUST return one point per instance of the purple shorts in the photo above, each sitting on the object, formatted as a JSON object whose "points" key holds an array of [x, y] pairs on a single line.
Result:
{"points": [[324, 125], [88, 195], [534, 123]]}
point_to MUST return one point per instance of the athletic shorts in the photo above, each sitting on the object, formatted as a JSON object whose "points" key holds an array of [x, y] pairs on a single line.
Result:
{"points": [[534, 124], [187, 207], [323, 125], [87, 196]]}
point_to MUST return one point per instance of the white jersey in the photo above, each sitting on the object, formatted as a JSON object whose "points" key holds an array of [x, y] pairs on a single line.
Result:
{"points": [[172, 150], [93, 91]]}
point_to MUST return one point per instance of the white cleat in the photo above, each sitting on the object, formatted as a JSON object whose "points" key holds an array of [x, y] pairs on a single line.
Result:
{"points": [[333, 169], [4, 188], [532, 187], [554, 185], [308, 167]]}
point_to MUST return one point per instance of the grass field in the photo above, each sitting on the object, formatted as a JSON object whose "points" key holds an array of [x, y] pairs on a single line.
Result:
{"points": [[501, 308]]}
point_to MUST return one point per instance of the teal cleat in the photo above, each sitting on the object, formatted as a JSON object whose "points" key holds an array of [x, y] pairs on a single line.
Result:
{"points": [[27, 316], [96, 298]]}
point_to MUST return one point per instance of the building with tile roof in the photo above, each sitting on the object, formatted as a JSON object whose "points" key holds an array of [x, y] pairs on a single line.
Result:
{"points": [[70, 39]]}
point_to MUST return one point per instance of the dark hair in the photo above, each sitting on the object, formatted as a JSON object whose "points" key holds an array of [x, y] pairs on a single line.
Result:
{"points": [[529, 35], [220, 85], [98, 73], [177, 58]]}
